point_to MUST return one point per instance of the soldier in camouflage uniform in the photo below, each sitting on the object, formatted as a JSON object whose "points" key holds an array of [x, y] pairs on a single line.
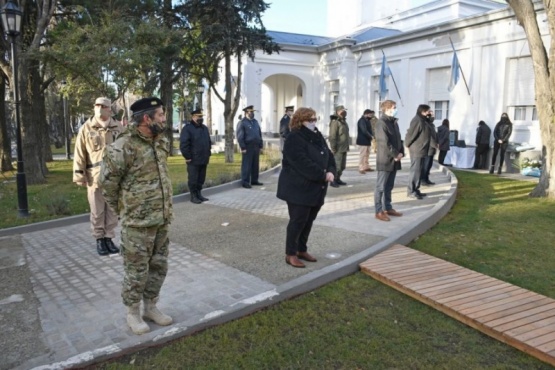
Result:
{"points": [[135, 182]]}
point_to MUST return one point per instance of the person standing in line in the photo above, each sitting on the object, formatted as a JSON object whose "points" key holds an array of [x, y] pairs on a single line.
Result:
{"points": [[483, 137], [501, 134], [308, 167], [136, 184], [425, 177], [284, 125], [443, 140], [195, 144], [339, 143], [249, 137], [418, 139], [389, 153], [94, 135], [364, 140]]}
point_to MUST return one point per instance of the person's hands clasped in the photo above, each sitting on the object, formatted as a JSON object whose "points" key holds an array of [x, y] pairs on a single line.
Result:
{"points": [[399, 156], [329, 177]]}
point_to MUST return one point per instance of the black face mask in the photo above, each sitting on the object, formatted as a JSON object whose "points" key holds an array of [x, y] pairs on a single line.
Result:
{"points": [[200, 121], [155, 129], [343, 114], [250, 115]]}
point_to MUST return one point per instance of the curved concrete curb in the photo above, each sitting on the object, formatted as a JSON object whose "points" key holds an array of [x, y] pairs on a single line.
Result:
{"points": [[283, 292]]}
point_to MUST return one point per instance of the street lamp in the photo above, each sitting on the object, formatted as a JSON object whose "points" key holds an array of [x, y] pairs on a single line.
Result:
{"points": [[11, 24], [66, 124], [200, 91]]}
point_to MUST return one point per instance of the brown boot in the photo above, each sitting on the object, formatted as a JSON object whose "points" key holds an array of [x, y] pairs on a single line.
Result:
{"points": [[393, 212], [294, 261]]}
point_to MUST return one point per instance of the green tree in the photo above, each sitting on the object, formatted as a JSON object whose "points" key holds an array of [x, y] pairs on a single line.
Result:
{"points": [[221, 32], [544, 75]]}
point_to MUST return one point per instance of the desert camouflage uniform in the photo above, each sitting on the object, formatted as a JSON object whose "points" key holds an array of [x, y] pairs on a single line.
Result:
{"points": [[89, 149], [135, 182]]}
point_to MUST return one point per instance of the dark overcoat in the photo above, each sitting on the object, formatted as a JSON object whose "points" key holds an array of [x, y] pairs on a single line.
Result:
{"points": [[364, 132], [389, 144], [195, 144], [306, 160], [418, 137]]}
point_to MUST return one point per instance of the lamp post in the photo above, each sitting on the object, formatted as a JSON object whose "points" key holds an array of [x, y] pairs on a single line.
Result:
{"points": [[66, 125], [200, 91], [11, 24]]}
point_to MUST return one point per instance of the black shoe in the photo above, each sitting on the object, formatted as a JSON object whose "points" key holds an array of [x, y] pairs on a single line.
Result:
{"points": [[339, 182], [257, 183], [421, 194], [111, 246], [428, 183], [203, 199], [101, 247], [334, 184], [247, 186], [491, 169], [499, 171], [414, 196], [194, 198]]}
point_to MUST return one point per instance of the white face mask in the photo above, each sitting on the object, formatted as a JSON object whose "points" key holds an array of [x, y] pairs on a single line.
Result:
{"points": [[311, 125], [393, 112]]}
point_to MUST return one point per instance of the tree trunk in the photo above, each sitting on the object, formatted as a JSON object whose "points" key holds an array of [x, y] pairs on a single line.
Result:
{"points": [[166, 80], [5, 142], [39, 107], [231, 105], [544, 76], [31, 127]]}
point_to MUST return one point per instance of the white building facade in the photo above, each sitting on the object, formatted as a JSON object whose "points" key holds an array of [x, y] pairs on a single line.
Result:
{"points": [[321, 72]]}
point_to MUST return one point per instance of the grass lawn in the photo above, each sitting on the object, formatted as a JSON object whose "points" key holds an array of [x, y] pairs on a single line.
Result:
{"points": [[59, 197], [359, 323]]}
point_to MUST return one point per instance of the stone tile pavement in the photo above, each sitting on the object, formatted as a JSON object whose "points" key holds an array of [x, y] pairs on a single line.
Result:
{"points": [[63, 305]]}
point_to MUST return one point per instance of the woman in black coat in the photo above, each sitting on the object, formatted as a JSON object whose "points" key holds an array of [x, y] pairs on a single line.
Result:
{"points": [[308, 167]]}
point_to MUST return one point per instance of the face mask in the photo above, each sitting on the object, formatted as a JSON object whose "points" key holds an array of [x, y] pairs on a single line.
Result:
{"points": [[343, 114], [250, 115], [429, 115], [200, 121], [394, 113], [101, 113], [311, 126]]}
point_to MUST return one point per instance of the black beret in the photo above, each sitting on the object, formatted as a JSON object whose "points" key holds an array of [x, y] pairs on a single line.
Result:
{"points": [[289, 107], [248, 108], [146, 104], [197, 112]]}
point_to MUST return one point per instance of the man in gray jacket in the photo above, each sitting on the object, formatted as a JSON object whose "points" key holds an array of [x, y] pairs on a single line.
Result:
{"points": [[418, 141]]}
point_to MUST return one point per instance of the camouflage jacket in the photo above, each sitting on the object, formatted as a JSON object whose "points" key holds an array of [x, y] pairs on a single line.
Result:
{"points": [[89, 149], [135, 181]]}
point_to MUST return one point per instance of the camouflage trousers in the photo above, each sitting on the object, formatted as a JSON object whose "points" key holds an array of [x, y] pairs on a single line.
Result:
{"points": [[145, 262]]}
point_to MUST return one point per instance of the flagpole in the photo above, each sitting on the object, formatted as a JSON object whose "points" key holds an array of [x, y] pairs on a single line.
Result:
{"points": [[460, 69], [395, 83]]}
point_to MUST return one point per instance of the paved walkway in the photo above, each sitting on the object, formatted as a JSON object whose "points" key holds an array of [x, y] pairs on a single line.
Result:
{"points": [[60, 302]]}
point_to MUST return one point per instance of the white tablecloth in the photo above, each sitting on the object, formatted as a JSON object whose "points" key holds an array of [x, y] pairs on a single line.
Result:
{"points": [[461, 157]]}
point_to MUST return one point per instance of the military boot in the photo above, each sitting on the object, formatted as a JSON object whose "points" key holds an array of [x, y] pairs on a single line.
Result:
{"points": [[134, 319], [101, 247], [499, 170], [154, 314], [491, 169], [111, 246], [194, 197], [199, 195]]}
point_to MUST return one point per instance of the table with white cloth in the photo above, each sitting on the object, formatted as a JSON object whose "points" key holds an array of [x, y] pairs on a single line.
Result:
{"points": [[461, 157]]}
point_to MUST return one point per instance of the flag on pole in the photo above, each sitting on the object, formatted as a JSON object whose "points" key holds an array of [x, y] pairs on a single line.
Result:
{"points": [[455, 72], [384, 73]]}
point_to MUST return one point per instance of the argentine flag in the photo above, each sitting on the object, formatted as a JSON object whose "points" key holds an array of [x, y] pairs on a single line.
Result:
{"points": [[455, 72]]}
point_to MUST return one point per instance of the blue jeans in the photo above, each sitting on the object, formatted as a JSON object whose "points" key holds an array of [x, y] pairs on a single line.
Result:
{"points": [[382, 194]]}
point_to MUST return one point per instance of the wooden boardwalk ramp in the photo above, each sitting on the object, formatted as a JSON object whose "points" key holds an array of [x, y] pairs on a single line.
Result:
{"points": [[516, 316]]}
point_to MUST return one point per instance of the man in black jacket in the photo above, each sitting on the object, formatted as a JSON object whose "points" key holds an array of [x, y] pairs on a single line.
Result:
{"points": [[501, 134], [418, 141], [195, 144], [284, 125], [388, 160], [483, 136], [364, 140]]}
